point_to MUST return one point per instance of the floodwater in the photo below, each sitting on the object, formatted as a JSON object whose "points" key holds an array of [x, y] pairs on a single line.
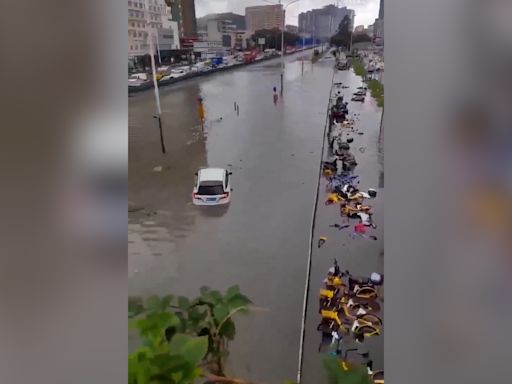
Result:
{"points": [[261, 240]]}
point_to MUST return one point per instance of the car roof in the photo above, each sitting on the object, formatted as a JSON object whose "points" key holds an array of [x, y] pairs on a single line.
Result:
{"points": [[211, 174]]}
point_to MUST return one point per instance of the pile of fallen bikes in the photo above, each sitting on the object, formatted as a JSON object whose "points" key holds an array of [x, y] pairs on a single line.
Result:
{"points": [[349, 306], [349, 309]]}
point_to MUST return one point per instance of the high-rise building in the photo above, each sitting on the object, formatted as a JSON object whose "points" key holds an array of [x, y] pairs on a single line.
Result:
{"points": [[378, 31], [322, 23], [184, 13], [264, 17], [381, 10], [233, 18], [292, 29], [144, 22], [369, 30]]}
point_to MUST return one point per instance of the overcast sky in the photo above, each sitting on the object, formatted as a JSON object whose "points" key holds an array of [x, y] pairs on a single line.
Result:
{"points": [[366, 10]]}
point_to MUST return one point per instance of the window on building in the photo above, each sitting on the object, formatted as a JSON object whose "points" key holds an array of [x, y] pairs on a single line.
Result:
{"points": [[136, 47], [133, 25], [129, 3], [131, 47]]}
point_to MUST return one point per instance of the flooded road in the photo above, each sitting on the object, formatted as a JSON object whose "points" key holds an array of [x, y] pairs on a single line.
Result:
{"points": [[261, 240]]}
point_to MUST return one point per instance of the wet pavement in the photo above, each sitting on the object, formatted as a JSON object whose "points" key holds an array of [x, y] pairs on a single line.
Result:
{"points": [[261, 240]]}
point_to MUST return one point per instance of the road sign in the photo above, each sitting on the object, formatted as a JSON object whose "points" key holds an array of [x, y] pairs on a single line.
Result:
{"points": [[261, 41]]}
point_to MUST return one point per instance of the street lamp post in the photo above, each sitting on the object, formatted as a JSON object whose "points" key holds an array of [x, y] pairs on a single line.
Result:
{"points": [[158, 115], [282, 42], [282, 36]]}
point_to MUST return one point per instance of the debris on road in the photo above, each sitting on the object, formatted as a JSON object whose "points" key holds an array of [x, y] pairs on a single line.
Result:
{"points": [[321, 241], [339, 227]]}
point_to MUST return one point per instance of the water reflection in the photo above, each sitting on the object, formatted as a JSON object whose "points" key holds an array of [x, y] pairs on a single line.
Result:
{"points": [[215, 211]]}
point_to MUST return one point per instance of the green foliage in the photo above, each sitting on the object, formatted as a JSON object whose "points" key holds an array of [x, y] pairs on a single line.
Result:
{"points": [[342, 37], [181, 337], [337, 375], [358, 68], [377, 91], [376, 87], [361, 38], [273, 38]]}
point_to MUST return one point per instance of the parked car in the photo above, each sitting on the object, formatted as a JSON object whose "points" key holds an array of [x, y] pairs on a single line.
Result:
{"points": [[212, 187], [139, 81], [175, 73]]}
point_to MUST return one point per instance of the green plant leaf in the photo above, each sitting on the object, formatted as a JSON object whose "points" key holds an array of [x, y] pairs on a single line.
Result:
{"points": [[153, 303], [220, 312], [193, 349], [135, 306], [238, 300], [232, 291], [177, 343], [166, 302], [183, 303], [213, 297], [228, 330]]}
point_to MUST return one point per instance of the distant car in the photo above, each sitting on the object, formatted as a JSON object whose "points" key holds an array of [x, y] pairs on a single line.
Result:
{"points": [[139, 80], [213, 187]]}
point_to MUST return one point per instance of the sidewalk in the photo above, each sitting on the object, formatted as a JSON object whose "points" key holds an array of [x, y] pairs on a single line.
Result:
{"points": [[360, 256]]}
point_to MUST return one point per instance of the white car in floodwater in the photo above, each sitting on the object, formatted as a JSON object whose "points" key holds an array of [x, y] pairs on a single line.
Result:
{"points": [[212, 187]]}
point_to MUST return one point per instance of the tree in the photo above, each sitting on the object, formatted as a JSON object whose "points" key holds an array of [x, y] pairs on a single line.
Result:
{"points": [[342, 37], [273, 38], [361, 38]]}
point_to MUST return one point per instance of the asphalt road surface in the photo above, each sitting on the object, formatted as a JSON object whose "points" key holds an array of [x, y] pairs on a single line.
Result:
{"points": [[260, 241]]}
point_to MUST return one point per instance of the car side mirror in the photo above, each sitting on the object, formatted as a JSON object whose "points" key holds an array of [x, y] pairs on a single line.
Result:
{"points": [[230, 173]]}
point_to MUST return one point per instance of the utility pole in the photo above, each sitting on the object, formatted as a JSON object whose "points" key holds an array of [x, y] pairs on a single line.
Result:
{"points": [[282, 36], [303, 47], [158, 115], [282, 49], [158, 50]]}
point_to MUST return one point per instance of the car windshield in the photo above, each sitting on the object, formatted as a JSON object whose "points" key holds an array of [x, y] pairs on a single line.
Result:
{"points": [[210, 188]]}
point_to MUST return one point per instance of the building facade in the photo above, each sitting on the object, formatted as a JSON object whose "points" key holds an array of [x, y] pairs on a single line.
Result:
{"points": [[359, 29], [144, 22], [226, 32], [264, 17], [369, 30], [378, 31], [292, 29], [184, 13], [322, 23]]}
